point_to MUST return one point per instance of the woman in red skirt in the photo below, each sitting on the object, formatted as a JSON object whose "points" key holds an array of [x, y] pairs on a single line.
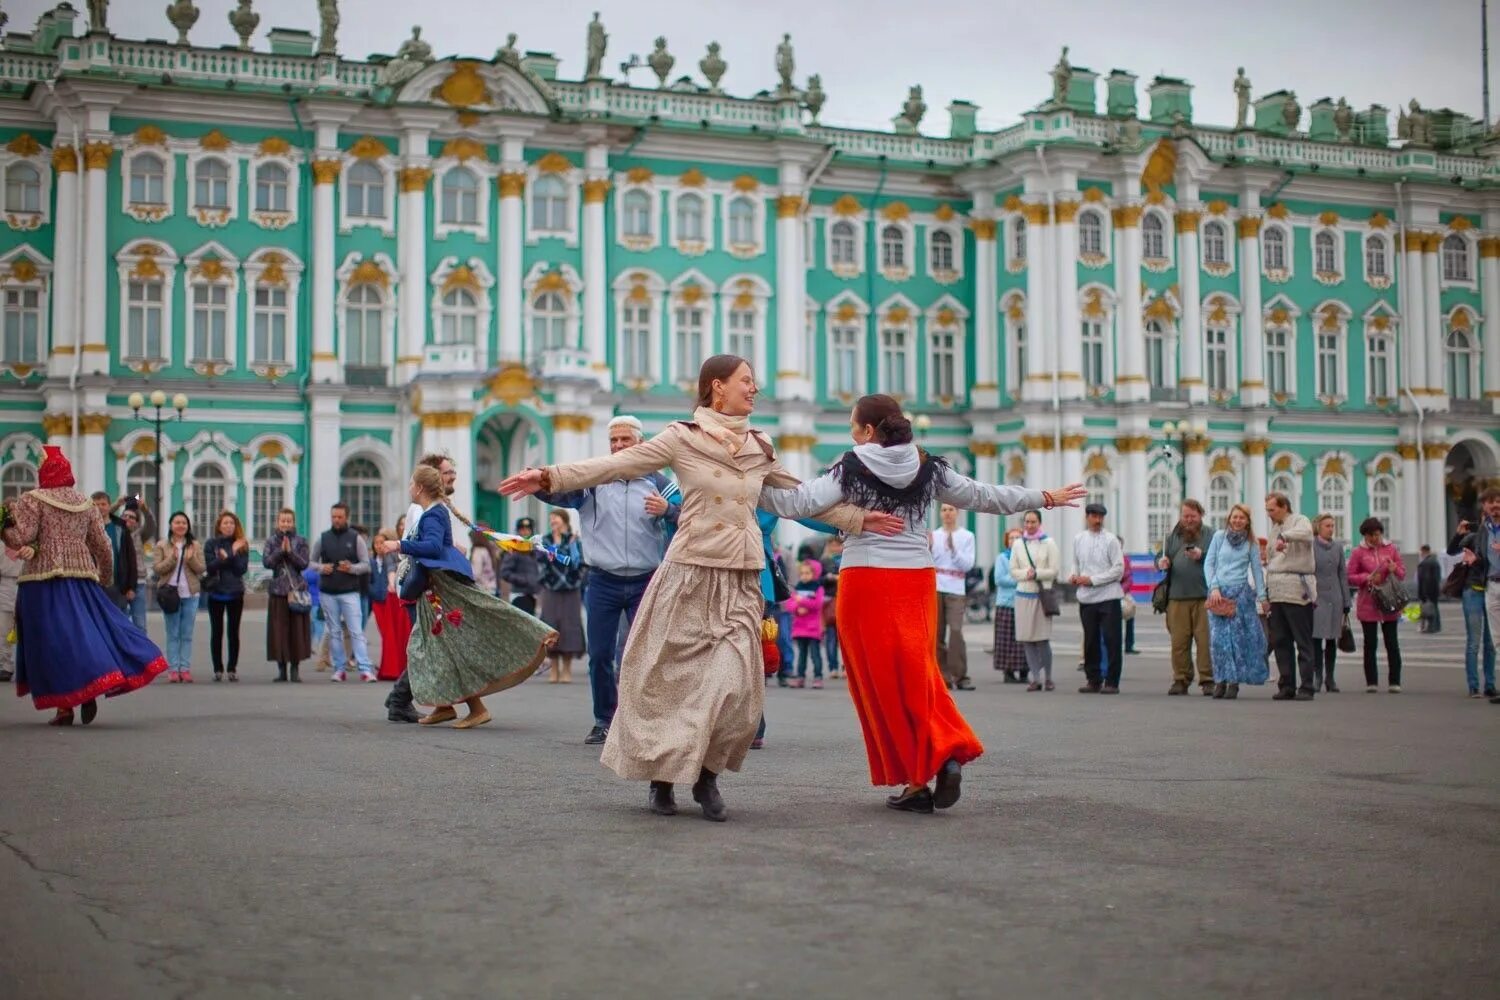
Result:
{"points": [[886, 611]]}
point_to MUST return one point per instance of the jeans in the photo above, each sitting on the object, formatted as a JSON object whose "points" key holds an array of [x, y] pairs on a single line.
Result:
{"points": [[784, 640], [831, 646], [137, 608], [810, 648], [1292, 641], [341, 611], [1387, 631], [1102, 641], [607, 598], [180, 635], [216, 612], [1477, 637]]}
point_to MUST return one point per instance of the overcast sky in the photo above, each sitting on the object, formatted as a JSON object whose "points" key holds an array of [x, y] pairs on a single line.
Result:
{"points": [[995, 54]]}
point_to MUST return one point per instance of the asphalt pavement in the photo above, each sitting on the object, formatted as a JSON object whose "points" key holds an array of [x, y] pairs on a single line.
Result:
{"points": [[260, 840]]}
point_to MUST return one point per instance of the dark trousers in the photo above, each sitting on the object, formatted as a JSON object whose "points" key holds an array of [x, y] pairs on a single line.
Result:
{"points": [[117, 598], [400, 696], [607, 598], [1102, 626], [1387, 632], [1323, 665], [526, 602], [216, 613], [809, 648], [1292, 642]]}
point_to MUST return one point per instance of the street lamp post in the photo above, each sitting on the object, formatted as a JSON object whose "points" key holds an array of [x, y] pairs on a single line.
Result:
{"points": [[158, 400], [1182, 432]]}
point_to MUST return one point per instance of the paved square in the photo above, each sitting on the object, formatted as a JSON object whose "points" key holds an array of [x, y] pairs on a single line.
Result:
{"points": [[264, 840]]}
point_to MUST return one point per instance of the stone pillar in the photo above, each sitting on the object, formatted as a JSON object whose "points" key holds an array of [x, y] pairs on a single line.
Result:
{"points": [[1410, 522], [1414, 329], [985, 391], [791, 351], [1073, 443], [1197, 466], [97, 155], [88, 464], [325, 360], [1039, 308], [1435, 530], [1255, 448], [510, 248], [451, 431], [411, 248], [595, 273], [1130, 353], [987, 530], [795, 452], [1068, 332], [1489, 265], [570, 436], [1132, 520], [322, 454], [1434, 335], [1252, 333], [1190, 325], [64, 315]]}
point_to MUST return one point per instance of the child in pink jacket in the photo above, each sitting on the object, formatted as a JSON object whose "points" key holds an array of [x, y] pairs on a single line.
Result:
{"points": [[806, 608]]}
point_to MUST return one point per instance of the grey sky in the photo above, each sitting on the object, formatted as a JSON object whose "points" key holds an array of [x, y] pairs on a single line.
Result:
{"points": [[995, 54]]}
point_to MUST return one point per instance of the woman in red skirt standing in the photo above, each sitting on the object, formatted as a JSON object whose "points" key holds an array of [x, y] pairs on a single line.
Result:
{"points": [[887, 616]]}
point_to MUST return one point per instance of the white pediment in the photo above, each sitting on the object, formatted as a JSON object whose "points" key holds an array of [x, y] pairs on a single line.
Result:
{"points": [[478, 86]]}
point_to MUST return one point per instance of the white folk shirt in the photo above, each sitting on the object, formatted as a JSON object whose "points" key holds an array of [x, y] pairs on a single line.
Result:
{"points": [[953, 564], [1099, 556]]}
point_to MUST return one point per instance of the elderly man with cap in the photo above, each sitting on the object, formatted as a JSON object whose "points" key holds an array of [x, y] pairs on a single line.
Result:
{"points": [[1098, 568], [623, 527]]}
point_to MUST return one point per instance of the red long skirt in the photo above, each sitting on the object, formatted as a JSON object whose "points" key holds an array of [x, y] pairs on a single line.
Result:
{"points": [[888, 634], [395, 629]]}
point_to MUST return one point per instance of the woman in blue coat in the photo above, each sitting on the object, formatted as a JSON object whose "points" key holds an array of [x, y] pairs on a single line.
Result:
{"points": [[465, 643]]}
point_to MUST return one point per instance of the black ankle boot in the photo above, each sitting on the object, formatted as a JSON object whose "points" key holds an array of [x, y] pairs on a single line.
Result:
{"points": [[660, 799], [293, 675], [280, 674], [706, 794]]}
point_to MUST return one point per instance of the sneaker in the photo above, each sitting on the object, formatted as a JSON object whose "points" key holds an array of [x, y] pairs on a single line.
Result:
{"points": [[1488, 692], [1033, 687], [1394, 689], [596, 736], [1089, 689], [368, 676], [1372, 689], [339, 677], [1475, 694], [187, 677], [1305, 696], [817, 684], [1049, 686], [1109, 689], [966, 685], [757, 744], [798, 682]]}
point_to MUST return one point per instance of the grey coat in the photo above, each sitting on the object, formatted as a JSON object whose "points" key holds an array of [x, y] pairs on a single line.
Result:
{"points": [[1333, 590]]}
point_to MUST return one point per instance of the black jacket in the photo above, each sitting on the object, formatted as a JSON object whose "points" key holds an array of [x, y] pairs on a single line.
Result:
{"points": [[1479, 570], [123, 547], [226, 568]]}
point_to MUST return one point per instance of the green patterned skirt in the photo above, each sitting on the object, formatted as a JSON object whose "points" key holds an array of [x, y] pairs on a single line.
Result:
{"points": [[467, 643]]}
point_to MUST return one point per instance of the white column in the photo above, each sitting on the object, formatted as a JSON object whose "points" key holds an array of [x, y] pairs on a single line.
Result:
{"points": [[1489, 265], [411, 248], [595, 276], [1068, 332], [1190, 328], [1414, 322], [1073, 443], [1410, 519], [510, 248], [985, 391], [1197, 468], [1435, 529], [1132, 520], [987, 530], [1039, 311], [1252, 334], [325, 360], [1130, 354], [1255, 478], [323, 456], [96, 157], [64, 315], [1432, 299], [93, 423], [791, 381]]}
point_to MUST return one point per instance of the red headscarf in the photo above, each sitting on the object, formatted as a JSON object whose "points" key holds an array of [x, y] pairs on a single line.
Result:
{"points": [[55, 471]]}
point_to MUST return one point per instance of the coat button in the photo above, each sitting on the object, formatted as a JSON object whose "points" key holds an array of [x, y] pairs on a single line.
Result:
{"points": [[719, 526], [718, 473], [718, 499]]}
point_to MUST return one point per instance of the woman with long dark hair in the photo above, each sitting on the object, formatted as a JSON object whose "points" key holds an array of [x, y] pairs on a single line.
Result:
{"points": [[562, 596], [228, 560], [691, 685], [179, 572], [913, 730], [289, 615]]}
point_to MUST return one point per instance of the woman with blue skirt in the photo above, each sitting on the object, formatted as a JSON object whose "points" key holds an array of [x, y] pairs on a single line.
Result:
{"points": [[73, 644], [1236, 593]]}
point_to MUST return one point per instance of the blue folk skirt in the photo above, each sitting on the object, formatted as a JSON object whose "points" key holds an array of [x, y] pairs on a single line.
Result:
{"points": [[1237, 644], [74, 645]]}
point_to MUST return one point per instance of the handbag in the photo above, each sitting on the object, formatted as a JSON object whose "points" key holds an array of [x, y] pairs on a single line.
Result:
{"points": [[1346, 637], [1046, 596], [1161, 594], [780, 589], [167, 598], [298, 597], [1390, 595], [1458, 579]]}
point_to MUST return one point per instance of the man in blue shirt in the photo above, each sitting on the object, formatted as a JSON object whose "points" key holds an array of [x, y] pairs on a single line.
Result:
{"points": [[623, 527]]}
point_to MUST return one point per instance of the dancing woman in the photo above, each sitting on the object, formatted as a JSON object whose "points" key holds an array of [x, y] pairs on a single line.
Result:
{"points": [[466, 643], [73, 645], [691, 685], [888, 620]]}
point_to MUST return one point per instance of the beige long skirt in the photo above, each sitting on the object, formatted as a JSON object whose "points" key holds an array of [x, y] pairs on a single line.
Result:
{"points": [[692, 683]]}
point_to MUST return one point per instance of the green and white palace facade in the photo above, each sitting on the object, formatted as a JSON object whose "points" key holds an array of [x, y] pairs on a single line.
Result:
{"points": [[340, 273]]}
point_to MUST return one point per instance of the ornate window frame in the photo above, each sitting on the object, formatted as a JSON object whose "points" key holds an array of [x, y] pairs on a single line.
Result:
{"points": [[1331, 319], [757, 203], [854, 216], [278, 451], [557, 166], [1017, 237], [687, 247], [273, 267], [380, 454], [208, 266], [1381, 322], [1218, 269], [1096, 304], [149, 211], [845, 312], [1334, 233], [955, 232], [947, 316], [1224, 463], [898, 314], [473, 277], [563, 281], [1337, 468], [1165, 262], [634, 288], [369, 150], [26, 269], [904, 225], [691, 289], [25, 151], [358, 271], [206, 448], [463, 154], [1366, 238], [1221, 311], [1385, 469], [1094, 261], [206, 216], [628, 183], [1291, 465], [750, 293], [1463, 319], [1281, 314], [1470, 255], [275, 219], [1277, 275], [146, 260], [1163, 309], [1017, 331], [1164, 463]]}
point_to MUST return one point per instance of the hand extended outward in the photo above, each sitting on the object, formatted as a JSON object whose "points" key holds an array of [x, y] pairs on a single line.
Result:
{"points": [[1068, 496], [522, 484]]}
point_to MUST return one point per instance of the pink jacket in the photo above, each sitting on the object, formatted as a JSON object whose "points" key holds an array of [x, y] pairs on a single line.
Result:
{"points": [[808, 624], [1367, 568]]}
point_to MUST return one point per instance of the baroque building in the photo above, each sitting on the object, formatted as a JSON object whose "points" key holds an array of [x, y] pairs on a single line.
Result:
{"points": [[345, 263]]}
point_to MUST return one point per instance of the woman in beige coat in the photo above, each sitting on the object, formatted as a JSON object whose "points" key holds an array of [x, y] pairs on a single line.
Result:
{"points": [[179, 569], [1033, 565], [692, 680]]}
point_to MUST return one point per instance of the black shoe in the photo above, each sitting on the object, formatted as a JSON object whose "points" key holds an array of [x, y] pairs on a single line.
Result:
{"points": [[1207, 688], [5, 676], [946, 791], [596, 736], [89, 710], [1331, 688], [1178, 688], [966, 685], [280, 678], [1284, 695], [1304, 696], [293, 676], [1011, 678], [1089, 689], [1221, 690], [919, 801], [1110, 689], [706, 794], [1488, 692], [1495, 699], [1232, 693], [1132, 652], [660, 799], [401, 713], [781, 681]]}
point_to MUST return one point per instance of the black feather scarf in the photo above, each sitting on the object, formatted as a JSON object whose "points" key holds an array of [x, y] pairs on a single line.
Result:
{"points": [[863, 488]]}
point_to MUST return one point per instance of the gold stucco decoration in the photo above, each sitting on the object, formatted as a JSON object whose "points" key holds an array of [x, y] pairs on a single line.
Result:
{"points": [[896, 211], [847, 205], [553, 163], [639, 175], [745, 182], [367, 147], [693, 177], [215, 140], [274, 145], [24, 145], [463, 87], [464, 149], [367, 272], [461, 277], [1161, 168]]}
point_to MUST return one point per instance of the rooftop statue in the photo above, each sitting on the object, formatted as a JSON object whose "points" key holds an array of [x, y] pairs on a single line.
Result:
{"points": [[713, 66], [1062, 78], [914, 108], [328, 17], [661, 62], [785, 65], [597, 42], [244, 21], [413, 55], [183, 16], [509, 54], [1241, 99]]}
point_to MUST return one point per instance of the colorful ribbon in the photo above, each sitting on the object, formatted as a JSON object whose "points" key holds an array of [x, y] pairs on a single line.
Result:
{"points": [[520, 543]]}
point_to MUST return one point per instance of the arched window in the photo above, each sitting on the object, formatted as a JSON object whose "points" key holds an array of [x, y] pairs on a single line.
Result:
{"points": [[846, 371], [1278, 360], [140, 481], [272, 189], [148, 180], [23, 189], [1378, 367], [461, 197], [267, 497], [23, 326], [1223, 493], [1383, 500], [942, 370], [741, 339], [942, 252], [1455, 258], [893, 247], [360, 488], [1286, 484], [1153, 237], [1091, 233], [690, 218], [272, 315], [145, 314], [458, 318], [637, 206], [690, 337], [365, 191], [742, 222], [1330, 363], [1216, 358], [549, 205], [894, 354], [1333, 498], [549, 322], [1093, 353], [635, 340], [1018, 239], [211, 184], [1273, 244], [1098, 487], [1215, 244], [364, 327], [206, 497], [210, 321], [15, 479], [1462, 364], [1162, 502], [1325, 253], [1156, 354], [841, 246], [1375, 258]]}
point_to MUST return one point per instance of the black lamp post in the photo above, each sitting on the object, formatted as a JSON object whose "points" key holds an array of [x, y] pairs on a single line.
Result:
{"points": [[158, 400], [1180, 433]]}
